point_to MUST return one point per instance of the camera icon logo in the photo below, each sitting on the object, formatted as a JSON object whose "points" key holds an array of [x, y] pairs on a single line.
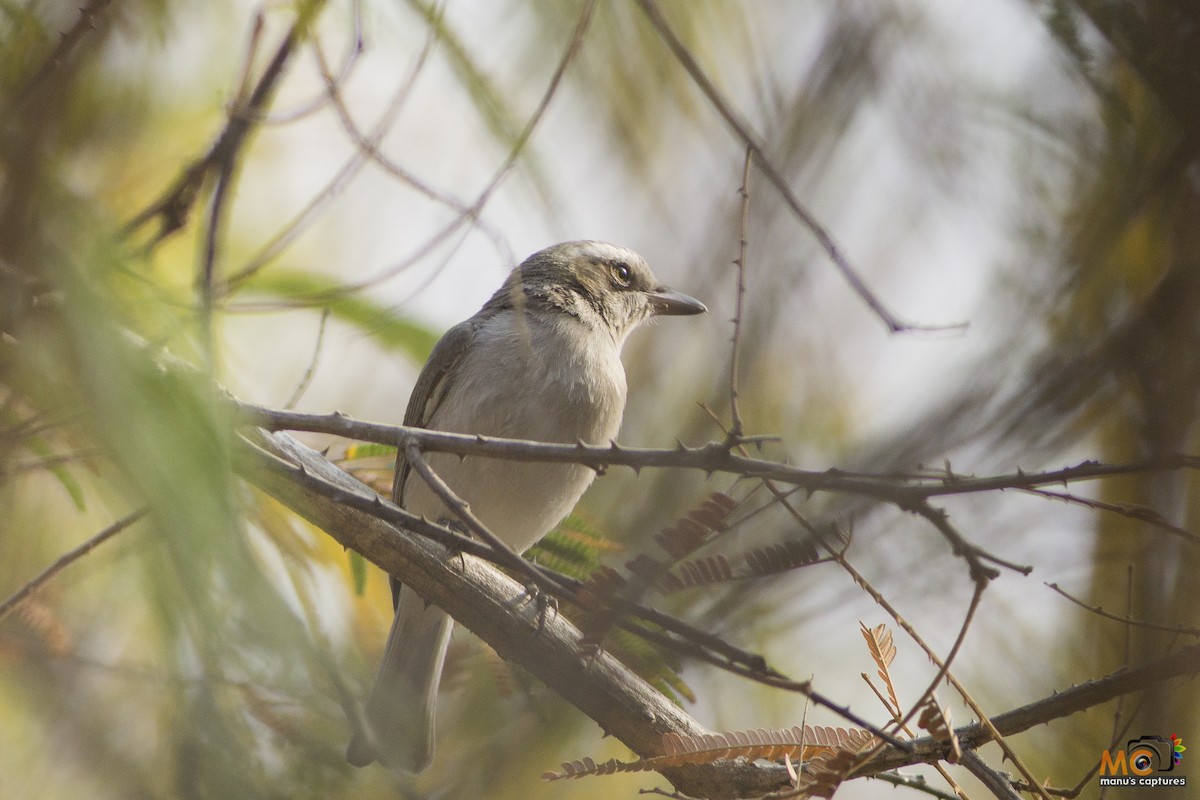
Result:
{"points": [[1150, 754]]}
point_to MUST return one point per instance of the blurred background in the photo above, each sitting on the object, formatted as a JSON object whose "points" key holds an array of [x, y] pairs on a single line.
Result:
{"points": [[1021, 172]]}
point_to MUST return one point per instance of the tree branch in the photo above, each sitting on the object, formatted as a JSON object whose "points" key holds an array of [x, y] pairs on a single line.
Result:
{"points": [[482, 599]]}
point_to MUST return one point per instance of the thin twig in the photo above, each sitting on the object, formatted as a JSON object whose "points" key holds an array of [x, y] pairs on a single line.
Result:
{"points": [[750, 139], [987, 724], [333, 83], [944, 669], [1125, 620], [462, 510], [306, 378], [367, 145], [69, 558], [174, 206], [472, 212], [916, 782], [736, 428], [1139, 513]]}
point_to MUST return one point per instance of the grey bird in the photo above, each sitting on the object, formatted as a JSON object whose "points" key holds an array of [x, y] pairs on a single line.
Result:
{"points": [[541, 360]]}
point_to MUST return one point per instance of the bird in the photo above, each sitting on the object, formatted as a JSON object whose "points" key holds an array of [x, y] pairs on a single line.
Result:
{"points": [[540, 361]]}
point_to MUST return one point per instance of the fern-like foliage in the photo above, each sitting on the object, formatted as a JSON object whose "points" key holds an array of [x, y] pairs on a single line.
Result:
{"points": [[883, 650], [658, 667], [697, 526], [575, 547], [798, 743], [756, 563], [678, 540]]}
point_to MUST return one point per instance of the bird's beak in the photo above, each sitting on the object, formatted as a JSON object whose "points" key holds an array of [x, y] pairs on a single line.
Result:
{"points": [[669, 302]]}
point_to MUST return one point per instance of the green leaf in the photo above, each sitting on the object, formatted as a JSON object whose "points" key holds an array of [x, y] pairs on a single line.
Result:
{"points": [[387, 328], [361, 450]]}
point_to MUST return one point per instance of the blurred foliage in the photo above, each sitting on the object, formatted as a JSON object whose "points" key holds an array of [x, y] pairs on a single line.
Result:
{"points": [[386, 328], [209, 650]]}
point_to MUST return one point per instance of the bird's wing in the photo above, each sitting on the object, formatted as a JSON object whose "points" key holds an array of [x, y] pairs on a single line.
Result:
{"points": [[435, 380]]}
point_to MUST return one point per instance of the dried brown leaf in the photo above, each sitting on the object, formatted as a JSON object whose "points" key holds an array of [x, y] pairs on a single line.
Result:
{"points": [[883, 650], [936, 719], [695, 527], [799, 743]]}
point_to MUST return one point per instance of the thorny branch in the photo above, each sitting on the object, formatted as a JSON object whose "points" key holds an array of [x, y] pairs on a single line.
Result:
{"points": [[67, 44], [1126, 619], [711, 457], [735, 430]]}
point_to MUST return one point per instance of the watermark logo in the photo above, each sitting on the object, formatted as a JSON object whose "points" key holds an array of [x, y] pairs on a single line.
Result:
{"points": [[1145, 761]]}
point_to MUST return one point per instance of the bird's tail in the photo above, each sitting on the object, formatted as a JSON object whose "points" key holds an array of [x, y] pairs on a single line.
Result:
{"points": [[399, 712]]}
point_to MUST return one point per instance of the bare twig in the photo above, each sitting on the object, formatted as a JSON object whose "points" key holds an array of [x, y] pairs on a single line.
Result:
{"points": [[736, 430], [462, 510], [174, 206], [944, 669], [85, 23], [243, 122], [750, 139], [916, 782], [1126, 619], [69, 558], [306, 378], [287, 234], [1139, 513], [471, 213], [333, 82]]}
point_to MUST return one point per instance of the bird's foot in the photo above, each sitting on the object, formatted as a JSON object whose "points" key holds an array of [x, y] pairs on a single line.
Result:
{"points": [[546, 604]]}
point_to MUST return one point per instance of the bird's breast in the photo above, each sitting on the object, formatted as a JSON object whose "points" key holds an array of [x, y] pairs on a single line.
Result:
{"points": [[547, 380]]}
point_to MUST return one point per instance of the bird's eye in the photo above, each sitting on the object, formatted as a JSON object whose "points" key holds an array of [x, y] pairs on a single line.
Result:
{"points": [[622, 273]]}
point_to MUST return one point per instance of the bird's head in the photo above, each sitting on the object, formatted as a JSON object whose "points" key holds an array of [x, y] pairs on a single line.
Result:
{"points": [[602, 285]]}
